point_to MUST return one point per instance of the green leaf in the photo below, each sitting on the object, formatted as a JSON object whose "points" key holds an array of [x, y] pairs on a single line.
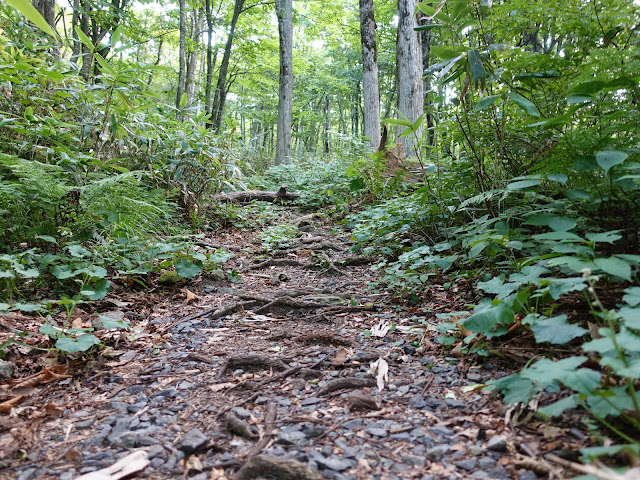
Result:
{"points": [[489, 319], [104, 65], [592, 453], [28, 307], [398, 121], [183, 100], [632, 296], [478, 72], [485, 102], [497, 287], [558, 236], [556, 330], [445, 53], [516, 389], [109, 323], [614, 266], [46, 238], [187, 269], [29, 11], [579, 99], [557, 408], [115, 37], [631, 316], [557, 223], [524, 104], [610, 158], [604, 237], [99, 290], [76, 345], [557, 177], [48, 330], [522, 184], [356, 184], [84, 39], [78, 251]]}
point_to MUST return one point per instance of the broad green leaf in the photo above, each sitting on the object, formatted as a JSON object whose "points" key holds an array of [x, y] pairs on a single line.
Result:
{"points": [[183, 100], [497, 287], [416, 125], [558, 236], [516, 389], [445, 53], [574, 99], [398, 121], [48, 329], [478, 72], [356, 184], [76, 345], [604, 237], [577, 194], [546, 371], [557, 223], [524, 104], [99, 290], [78, 251], [489, 319], [582, 380], [614, 266], [561, 286], [522, 184], [610, 158], [84, 39], [529, 274], [28, 307], [187, 269], [612, 401], [628, 341], [29, 11], [115, 37], [109, 323], [7, 274], [557, 408], [632, 296], [46, 238], [556, 330], [55, 76], [485, 102], [104, 65], [557, 177]]}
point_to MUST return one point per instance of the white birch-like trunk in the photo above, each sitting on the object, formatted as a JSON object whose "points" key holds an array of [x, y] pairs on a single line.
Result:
{"points": [[284, 12], [409, 71], [370, 92]]}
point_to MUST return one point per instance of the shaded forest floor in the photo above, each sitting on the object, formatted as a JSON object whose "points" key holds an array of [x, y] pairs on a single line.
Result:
{"points": [[271, 375]]}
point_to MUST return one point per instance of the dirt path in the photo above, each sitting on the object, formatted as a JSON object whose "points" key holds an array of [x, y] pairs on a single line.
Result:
{"points": [[271, 375]]}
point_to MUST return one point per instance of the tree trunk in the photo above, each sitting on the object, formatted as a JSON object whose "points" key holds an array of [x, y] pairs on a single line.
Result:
{"points": [[284, 12], [47, 8], [327, 124], [409, 72], [182, 57], [370, 74], [428, 104], [75, 21], [192, 58], [158, 57], [220, 96], [211, 59]]}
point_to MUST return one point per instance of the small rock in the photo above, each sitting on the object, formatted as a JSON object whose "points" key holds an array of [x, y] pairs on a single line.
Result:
{"points": [[377, 432], [436, 453], [310, 401], [84, 425], [527, 475], [441, 430], [291, 438], [486, 462], [468, 464], [334, 463], [474, 377], [417, 401], [155, 451], [413, 460], [68, 475], [193, 441], [6, 369], [27, 474], [497, 444]]}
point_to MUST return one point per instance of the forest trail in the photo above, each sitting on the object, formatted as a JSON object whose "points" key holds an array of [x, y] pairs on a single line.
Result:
{"points": [[271, 375]]}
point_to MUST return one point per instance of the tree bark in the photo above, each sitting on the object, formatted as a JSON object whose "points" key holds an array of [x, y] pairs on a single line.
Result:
{"points": [[370, 93], [284, 12], [211, 59], [47, 8], [409, 71], [428, 104], [182, 57], [220, 96], [192, 58], [327, 124]]}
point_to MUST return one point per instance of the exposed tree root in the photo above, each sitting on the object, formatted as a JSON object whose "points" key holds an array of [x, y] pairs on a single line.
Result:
{"points": [[347, 382], [250, 361], [281, 196]]}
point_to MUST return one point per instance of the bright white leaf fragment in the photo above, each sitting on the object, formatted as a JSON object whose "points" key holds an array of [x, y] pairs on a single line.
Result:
{"points": [[381, 329], [380, 368]]}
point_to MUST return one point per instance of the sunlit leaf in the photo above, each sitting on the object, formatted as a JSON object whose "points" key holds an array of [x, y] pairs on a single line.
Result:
{"points": [[28, 10]]}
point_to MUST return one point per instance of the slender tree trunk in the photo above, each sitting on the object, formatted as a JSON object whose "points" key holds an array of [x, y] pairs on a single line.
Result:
{"points": [[370, 74], [158, 57], [409, 72], [284, 12], [192, 63], [327, 124], [75, 21], [428, 104], [211, 58], [182, 57], [47, 9], [87, 56], [220, 96]]}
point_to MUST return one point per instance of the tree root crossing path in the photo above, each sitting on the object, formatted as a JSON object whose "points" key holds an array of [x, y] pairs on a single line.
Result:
{"points": [[294, 367]]}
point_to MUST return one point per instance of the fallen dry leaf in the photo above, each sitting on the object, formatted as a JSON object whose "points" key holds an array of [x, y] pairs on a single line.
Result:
{"points": [[8, 405], [190, 296]]}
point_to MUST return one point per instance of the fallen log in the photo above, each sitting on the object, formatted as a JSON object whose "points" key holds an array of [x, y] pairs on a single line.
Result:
{"points": [[281, 196]]}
